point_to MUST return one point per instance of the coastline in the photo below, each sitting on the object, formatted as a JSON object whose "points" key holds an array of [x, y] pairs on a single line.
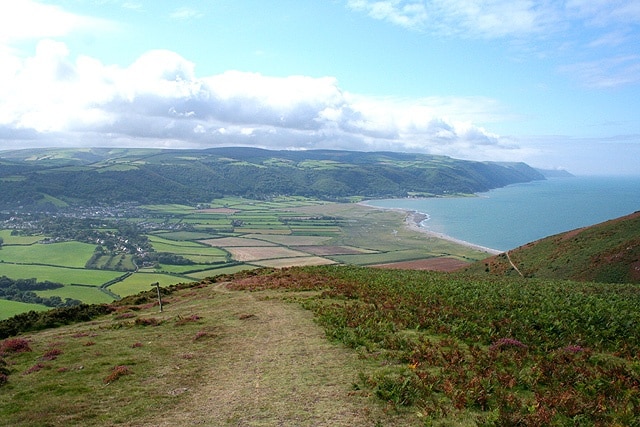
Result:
{"points": [[413, 221]]}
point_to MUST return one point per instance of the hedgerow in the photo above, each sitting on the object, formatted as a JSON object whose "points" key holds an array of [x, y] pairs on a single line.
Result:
{"points": [[34, 321]]}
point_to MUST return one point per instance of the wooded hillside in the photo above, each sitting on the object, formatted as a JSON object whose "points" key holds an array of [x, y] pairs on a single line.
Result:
{"points": [[57, 178]]}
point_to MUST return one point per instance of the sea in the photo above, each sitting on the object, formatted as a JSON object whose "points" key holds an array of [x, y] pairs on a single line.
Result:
{"points": [[511, 216]]}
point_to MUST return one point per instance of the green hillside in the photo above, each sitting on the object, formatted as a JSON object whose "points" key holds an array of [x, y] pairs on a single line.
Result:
{"points": [[55, 178], [608, 252], [332, 346]]}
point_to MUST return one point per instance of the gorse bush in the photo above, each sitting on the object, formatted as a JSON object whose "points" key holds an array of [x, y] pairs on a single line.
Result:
{"points": [[35, 321]]}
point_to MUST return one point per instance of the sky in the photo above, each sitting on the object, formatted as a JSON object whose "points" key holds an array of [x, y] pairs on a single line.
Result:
{"points": [[553, 83]]}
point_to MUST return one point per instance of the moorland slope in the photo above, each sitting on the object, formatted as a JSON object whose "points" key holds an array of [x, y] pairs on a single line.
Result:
{"points": [[608, 252], [405, 348]]}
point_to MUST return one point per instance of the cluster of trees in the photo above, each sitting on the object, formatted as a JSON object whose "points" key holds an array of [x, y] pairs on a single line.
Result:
{"points": [[23, 290]]}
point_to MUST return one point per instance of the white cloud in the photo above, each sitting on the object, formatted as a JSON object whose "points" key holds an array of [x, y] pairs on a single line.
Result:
{"points": [[409, 14], [132, 5], [605, 12], [610, 39], [483, 18], [606, 73], [499, 18], [159, 98], [27, 19], [495, 18], [185, 14]]}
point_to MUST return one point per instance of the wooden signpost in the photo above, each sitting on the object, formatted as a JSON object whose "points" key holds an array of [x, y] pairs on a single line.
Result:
{"points": [[157, 285]]}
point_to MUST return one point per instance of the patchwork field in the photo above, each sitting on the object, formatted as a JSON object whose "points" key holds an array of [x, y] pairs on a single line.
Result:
{"points": [[226, 236]]}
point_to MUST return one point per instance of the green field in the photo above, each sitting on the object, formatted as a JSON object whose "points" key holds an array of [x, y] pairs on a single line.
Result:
{"points": [[62, 275], [205, 259], [218, 271], [86, 294], [120, 262], [381, 258], [178, 269], [172, 209], [65, 254], [291, 240], [139, 282], [184, 235], [17, 240], [186, 249], [11, 308]]}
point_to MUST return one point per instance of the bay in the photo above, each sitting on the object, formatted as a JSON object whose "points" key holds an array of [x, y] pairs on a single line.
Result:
{"points": [[508, 217]]}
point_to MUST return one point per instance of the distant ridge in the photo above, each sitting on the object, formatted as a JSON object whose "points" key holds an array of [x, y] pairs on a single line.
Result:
{"points": [[55, 178], [608, 252], [555, 173]]}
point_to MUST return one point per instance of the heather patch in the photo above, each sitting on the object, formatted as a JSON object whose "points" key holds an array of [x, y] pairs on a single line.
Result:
{"points": [[14, 345]]}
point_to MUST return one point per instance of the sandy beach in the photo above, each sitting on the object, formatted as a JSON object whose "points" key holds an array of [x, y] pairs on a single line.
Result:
{"points": [[413, 221]]}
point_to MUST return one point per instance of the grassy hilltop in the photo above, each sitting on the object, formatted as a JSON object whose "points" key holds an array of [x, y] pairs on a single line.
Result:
{"points": [[608, 252]]}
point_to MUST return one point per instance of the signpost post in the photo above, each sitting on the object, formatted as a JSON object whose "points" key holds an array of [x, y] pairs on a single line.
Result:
{"points": [[157, 285]]}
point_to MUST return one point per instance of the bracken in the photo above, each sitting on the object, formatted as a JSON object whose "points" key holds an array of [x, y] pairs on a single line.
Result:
{"points": [[116, 373]]}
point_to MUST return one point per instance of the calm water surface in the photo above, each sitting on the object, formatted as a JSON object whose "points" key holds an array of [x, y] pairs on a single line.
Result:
{"points": [[508, 217]]}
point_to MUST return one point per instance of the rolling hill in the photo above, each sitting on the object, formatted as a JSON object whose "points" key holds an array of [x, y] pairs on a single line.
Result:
{"points": [[608, 252], [55, 178]]}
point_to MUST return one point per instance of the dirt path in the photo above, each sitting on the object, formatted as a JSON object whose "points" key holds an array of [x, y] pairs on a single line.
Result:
{"points": [[272, 366], [513, 265]]}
